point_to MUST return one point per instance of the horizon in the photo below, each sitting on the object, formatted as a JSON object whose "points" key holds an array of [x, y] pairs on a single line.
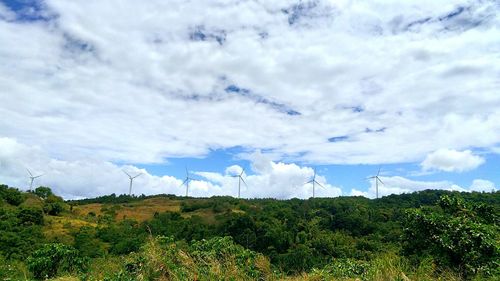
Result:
{"points": [[90, 89]]}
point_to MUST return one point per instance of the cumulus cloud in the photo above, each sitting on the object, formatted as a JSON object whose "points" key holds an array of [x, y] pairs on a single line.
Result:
{"points": [[482, 185], [319, 82], [399, 185], [450, 160], [192, 76], [89, 178]]}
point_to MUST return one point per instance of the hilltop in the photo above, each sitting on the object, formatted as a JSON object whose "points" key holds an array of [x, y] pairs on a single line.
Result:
{"points": [[317, 239]]}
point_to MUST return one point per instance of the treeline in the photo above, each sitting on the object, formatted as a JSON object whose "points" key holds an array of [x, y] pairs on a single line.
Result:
{"points": [[348, 236]]}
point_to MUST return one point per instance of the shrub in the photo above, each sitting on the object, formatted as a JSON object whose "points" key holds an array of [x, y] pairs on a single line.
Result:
{"points": [[55, 259], [12, 270], [462, 236], [11, 195], [30, 216], [53, 205], [43, 192], [218, 258]]}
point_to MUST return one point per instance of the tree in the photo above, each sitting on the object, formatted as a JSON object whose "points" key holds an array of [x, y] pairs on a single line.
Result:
{"points": [[459, 235], [43, 192], [30, 216], [11, 195], [54, 259], [53, 205]]}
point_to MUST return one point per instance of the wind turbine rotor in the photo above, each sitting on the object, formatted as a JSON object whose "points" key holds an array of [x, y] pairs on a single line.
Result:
{"points": [[380, 181], [319, 184], [127, 174]]}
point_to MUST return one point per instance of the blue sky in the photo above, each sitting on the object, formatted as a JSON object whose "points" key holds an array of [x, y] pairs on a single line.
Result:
{"points": [[345, 176], [279, 88]]}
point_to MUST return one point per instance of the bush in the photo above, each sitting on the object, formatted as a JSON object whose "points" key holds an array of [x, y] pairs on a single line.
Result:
{"points": [[53, 205], [11, 195], [12, 270], [56, 259], [43, 192], [344, 268], [462, 236], [218, 258], [30, 216]]}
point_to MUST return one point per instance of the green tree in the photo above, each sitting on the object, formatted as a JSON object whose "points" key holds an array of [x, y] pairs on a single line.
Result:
{"points": [[30, 216], [55, 259], [43, 192], [11, 195], [462, 236], [53, 205]]}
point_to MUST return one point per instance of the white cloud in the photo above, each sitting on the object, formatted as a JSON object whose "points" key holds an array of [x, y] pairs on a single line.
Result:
{"points": [[399, 185], [355, 192], [450, 160], [90, 178], [482, 185], [100, 80]]}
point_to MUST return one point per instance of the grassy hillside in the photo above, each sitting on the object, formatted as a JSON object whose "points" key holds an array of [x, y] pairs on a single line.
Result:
{"points": [[430, 235]]}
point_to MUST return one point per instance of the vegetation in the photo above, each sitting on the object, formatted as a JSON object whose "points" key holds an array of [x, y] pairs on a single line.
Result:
{"points": [[429, 235]]}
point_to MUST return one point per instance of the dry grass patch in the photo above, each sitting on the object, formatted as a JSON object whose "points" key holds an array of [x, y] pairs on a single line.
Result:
{"points": [[84, 210], [59, 228]]}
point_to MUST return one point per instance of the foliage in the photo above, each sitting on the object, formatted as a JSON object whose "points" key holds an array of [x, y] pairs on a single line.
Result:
{"points": [[223, 238], [55, 259], [43, 192], [123, 237], [345, 268], [459, 235], [87, 243], [20, 232], [12, 270], [11, 195], [30, 216], [53, 205], [214, 259]]}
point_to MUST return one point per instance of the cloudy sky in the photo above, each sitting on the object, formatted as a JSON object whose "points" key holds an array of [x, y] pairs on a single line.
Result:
{"points": [[89, 88]]}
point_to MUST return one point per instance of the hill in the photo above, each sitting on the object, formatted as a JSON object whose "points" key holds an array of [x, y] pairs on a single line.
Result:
{"points": [[174, 238]]}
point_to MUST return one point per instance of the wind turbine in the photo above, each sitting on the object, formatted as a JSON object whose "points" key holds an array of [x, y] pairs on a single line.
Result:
{"points": [[240, 179], [32, 178], [314, 182], [186, 182], [131, 180], [377, 180]]}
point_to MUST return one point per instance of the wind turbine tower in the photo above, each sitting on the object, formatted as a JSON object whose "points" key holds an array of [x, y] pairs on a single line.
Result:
{"points": [[377, 180], [186, 182], [32, 178], [314, 183], [131, 181], [240, 179]]}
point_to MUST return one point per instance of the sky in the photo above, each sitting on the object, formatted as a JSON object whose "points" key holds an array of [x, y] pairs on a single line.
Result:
{"points": [[281, 89]]}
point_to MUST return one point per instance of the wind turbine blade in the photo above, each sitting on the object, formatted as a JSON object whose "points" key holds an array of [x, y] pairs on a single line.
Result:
{"points": [[139, 174], [38, 176], [309, 181], [29, 172], [243, 181], [126, 174], [183, 182], [319, 184], [242, 171], [378, 171], [380, 180]]}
